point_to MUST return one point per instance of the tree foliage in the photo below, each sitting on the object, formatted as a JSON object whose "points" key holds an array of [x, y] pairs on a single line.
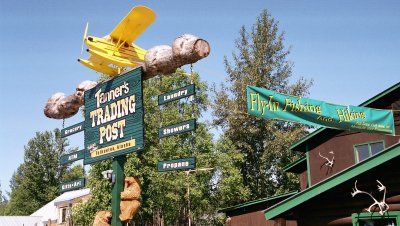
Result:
{"points": [[260, 61], [165, 194], [37, 179], [3, 202]]}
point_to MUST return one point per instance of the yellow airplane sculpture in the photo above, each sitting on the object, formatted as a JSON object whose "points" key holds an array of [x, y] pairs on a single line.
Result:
{"points": [[115, 52]]}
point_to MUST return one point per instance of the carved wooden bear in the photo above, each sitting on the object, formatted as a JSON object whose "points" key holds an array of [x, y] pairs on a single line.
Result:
{"points": [[130, 199], [102, 218]]}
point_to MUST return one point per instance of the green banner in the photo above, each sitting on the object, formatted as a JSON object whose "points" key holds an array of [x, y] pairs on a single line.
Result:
{"points": [[177, 164], [269, 104], [114, 117]]}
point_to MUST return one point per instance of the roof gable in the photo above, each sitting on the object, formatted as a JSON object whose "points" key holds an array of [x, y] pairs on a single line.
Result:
{"points": [[273, 200], [323, 186]]}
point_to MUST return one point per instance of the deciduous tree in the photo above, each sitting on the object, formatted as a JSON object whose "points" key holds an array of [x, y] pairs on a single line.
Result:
{"points": [[165, 194], [37, 179]]}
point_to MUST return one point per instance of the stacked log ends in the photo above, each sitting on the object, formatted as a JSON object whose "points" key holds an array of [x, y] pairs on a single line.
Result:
{"points": [[159, 60], [82, 87], [51, 107], [61, 106], [188, 49], [164, 60]]}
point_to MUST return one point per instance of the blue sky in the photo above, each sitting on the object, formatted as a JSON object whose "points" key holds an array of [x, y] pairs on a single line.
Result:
{"points": [[350, 48]]}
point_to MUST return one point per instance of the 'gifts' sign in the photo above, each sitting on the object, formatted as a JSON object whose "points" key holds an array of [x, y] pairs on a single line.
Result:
{"points": [[114, 117]]}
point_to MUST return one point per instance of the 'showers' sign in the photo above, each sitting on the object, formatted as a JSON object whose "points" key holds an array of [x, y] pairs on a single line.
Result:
{"points": [[114, 117], [73, 156], [72, 129], [176, 94], [177, 164], [268, 104], [178, 128], [72, 185]]}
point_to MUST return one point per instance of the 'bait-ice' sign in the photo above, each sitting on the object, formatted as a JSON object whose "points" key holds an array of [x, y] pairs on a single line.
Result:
{"points": [[72, 185], [114, 117]]}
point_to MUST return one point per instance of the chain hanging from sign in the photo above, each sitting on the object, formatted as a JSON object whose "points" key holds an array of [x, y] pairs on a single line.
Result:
{"points": [[180, 127]]}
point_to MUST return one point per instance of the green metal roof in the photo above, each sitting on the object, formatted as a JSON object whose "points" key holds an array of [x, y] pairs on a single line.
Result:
{"points": [[254, 202], [297, 166], [345, 175], [366, 103]]}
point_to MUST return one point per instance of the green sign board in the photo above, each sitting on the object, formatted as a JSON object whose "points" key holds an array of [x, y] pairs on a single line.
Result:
{"points": [[72, 185], [71, 157], [269, 104], [177, 164], [176, 94], [114, 117], [73, 129], [178, 128]]}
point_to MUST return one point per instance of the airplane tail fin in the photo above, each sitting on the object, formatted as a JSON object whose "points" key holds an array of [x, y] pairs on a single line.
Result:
{"points": [[84, 36]]}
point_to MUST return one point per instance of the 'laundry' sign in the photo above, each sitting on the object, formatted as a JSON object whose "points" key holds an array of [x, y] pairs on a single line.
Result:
{"points": [[176, 94]]}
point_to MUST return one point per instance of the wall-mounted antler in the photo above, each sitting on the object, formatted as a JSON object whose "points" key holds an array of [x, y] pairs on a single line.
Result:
{"points": [[383, 207], [328, 162]]}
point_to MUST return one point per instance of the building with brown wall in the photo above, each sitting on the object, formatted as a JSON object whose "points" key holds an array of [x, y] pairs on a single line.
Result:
{"points": [[334, 161]]}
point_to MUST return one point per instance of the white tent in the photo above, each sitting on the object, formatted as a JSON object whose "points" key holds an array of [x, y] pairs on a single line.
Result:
{"points": [[20, 221]]}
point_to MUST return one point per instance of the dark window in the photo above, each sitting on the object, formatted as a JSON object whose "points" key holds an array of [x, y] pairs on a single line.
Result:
{"points": [[376, 147], [363, 151], [63, 214], [389, 218]]}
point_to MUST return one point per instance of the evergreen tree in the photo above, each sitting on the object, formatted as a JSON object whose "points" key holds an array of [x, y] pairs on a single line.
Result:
{"points": [[3, 202], [260, 61], [37, 179]]}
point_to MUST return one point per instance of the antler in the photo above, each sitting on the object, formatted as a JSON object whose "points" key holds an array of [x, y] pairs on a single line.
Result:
{"points": [[328, 162], [356, 191], [383, 207], [382, 188], [323, 156]]}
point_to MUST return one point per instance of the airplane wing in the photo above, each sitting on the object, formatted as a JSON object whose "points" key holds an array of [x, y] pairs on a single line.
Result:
{"points": [[137, 20]]}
